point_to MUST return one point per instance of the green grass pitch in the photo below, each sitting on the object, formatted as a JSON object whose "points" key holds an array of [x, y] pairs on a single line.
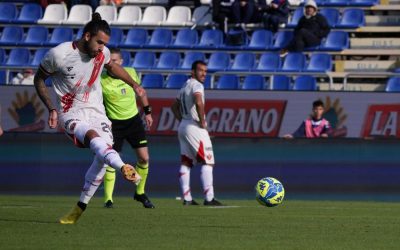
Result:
{"points": [[30, 222]]}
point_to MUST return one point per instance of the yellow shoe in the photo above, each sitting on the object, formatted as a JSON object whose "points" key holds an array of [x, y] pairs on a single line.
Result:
{"points": [[72, 216]]}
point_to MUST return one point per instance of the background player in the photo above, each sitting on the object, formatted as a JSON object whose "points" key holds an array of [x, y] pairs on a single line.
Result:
{"points": [[195, 143], [75, 70], [121, 109]]}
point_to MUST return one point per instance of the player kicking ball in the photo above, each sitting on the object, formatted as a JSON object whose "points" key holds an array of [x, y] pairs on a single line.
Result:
{"points": [[195, 143], [75, 69]]}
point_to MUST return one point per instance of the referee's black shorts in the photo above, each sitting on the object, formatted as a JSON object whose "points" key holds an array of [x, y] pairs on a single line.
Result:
{"points": [[131, 130]]}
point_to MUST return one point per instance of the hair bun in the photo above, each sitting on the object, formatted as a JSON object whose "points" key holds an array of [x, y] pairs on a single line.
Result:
{"points": [[96, 17]]}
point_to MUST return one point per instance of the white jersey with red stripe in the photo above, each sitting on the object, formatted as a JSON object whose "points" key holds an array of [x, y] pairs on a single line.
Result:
{"points": [[186, 99]]}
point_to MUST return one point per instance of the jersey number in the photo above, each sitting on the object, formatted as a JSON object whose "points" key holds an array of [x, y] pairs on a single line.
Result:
{"points": [[183, 104]]}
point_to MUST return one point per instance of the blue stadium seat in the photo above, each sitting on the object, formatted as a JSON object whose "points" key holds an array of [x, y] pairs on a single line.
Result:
{"points": [[260, 40], [363, 3], [294, 20], [319, 62], [393, 84], [60, 35], [38, 56], [176, 81], [186, 38], [126, 57], [190, 58], [335, 3], [153, 81], [351, 19], [136, 38], [335, 41], [331, 15], [168, 60], [2, 56], [116, 37], [253, 82], [8, 12], [144, 60], [3, 78], [161, 38], [79, 34], [30, 13], [219, 61], [280, 82], [269, 62], [36, 36], [228, 82], [305, 83], [18, 57], [207, 82], [11, 35], [294, 61], [282, 39], [211, 39], [243, 61]]}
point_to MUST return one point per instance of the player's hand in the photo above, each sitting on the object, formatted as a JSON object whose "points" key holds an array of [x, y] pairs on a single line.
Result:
{"points": [[288, 136], [53, 118], [324, 135], [130, 174], [149, 120]]}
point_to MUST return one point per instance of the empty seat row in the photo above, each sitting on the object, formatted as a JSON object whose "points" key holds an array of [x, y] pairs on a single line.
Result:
{"points": [[345, 3]]}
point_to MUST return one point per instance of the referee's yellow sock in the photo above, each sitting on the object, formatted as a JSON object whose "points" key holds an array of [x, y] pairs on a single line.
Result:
{"points": [[109, 182], [143, 170]]}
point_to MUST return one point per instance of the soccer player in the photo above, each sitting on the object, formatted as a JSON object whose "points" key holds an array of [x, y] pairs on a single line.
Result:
{"points": [[315, 126], [75, 69], [195, 143], [121, 109]]}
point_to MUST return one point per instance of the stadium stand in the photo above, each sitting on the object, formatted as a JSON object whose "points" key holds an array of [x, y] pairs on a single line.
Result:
{"points": [[135, 38], [18, 57], [185, 38], [54, 14], [269, 62], [176, 81], [168, 60], [8, 12], [79, 14], [153, 16], [191, 57], [38, 56], [128, 15], [144, 60], [280, 82], [11, 35], [107, 12], [218, 61], [36, 36], [178, 16], [161, 38], [30, 13], [294, 62], [253, 82], [60, 35], [228, 82], [393, 84], [153, 81], [305, 83]]}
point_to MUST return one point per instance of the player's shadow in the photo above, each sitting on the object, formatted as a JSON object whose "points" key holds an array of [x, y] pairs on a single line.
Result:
{"points": [[30, 221]]}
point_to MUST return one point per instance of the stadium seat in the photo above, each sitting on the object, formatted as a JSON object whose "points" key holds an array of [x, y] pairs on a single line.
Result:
{"points": [[253, 82], [335, 3], [243, 62], [80, 14], [319, 62], [153, 81], [168, 60], [126, 57], [2, 56], [36, 36], [54, 14], [331, 15], [60, 35], [79, 33], [363, 3], [30, 14], [305, 83], [178, 16], [18, 57], [280, 82], [128, 15], [107, 13], [351, 19], [153, 16], [260, 40], [116, 37], [393, 84], [207, 82], [282, 39], [269, 62], [228, 82], [210, 39], [190, 58], [294, 20], [176, 81], [335, 41], [136, 38], [161, 38], [202, 16], [294, 62], [218, 61], [186, 38], [11, 35], [3, 77], [8, 12], [38, 56], [144, 60]]}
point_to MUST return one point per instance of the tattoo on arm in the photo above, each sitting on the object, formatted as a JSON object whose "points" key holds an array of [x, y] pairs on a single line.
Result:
{"points": [[41, 89]]}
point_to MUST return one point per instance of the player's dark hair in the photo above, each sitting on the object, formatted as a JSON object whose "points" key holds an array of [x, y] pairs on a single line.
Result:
{"points": [[317, 103], [115, 51], [198, 62], [96, 25]]}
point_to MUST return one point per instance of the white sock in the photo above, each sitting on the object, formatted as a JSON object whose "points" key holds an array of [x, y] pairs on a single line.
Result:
{"points": [[93, 179], [207, 181], [184, 180], [110, 157]]}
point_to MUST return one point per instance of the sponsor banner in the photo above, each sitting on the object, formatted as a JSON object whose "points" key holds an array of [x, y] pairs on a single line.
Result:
{"points": [[382, 121]]}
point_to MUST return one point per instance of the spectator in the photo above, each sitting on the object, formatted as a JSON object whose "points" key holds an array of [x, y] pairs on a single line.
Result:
{"points": [[24, 78], [315, 126], [272, 14], [310, 30], [242, 11], [222, 12]]}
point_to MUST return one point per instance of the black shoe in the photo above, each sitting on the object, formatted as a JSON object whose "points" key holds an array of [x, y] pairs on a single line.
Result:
{"points": [[213, 202], [190, 203], [144, 200], [109, 204]]}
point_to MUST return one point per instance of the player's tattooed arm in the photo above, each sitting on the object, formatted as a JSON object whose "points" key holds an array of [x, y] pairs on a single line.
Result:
{"points": [[43, 94], [175, 107]]}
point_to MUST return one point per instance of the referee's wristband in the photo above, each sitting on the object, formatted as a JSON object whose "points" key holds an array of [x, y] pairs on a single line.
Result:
{"points": [[147, 110]]}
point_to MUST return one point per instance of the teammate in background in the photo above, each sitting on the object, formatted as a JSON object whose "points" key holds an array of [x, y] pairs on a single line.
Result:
{"points": [[315, 126], [121, 109], [75, 69], [195, 143]]}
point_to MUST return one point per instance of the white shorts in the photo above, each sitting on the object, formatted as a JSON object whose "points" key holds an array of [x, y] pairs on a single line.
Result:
{"points": [[96, 121], [195, 143]]}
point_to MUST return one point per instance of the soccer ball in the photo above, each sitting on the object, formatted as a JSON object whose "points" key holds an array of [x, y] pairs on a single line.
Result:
{"points": [[269, 192]]}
